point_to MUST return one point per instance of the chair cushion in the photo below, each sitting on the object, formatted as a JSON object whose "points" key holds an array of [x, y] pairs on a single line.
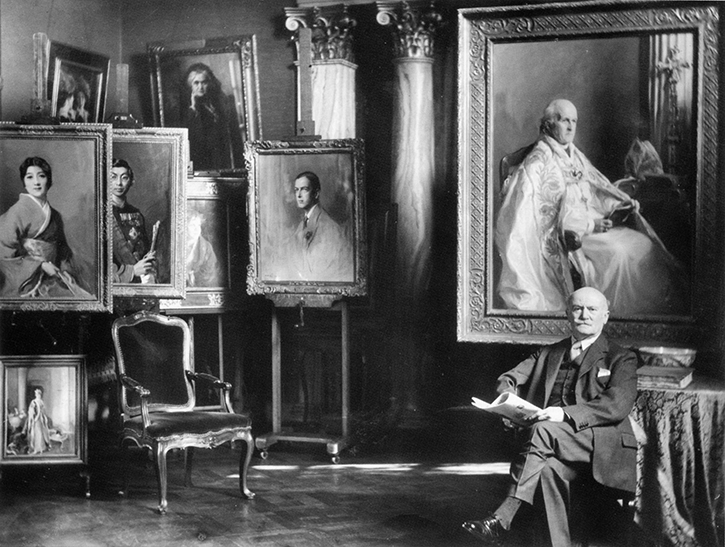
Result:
{"points": [[164, 424]]}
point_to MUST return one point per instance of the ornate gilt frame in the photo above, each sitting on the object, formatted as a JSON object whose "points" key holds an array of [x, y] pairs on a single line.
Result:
{"points": [[63, 380], [272, 167], [220, 201], [168, 62], [158, 157], [481, 30], [79, 156]]}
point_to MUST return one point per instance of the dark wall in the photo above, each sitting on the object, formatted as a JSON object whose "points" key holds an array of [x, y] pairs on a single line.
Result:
{"points": [[93, 25]]}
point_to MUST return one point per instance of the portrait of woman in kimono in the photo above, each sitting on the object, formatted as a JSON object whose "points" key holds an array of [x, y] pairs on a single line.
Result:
{"points": [[35, 259]]}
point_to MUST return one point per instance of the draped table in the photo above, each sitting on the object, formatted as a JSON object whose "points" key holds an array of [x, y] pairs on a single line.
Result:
{"points": [[680, 468]]}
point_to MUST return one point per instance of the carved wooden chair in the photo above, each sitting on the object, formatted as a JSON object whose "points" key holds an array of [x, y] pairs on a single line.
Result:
{"points": [[153, 354]]}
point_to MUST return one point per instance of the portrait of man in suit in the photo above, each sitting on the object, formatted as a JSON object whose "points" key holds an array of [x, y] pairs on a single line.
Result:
{"points": [[321, 247]]}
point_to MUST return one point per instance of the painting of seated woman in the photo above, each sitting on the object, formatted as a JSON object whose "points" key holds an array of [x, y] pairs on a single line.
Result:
{"points": [[36, 260]]}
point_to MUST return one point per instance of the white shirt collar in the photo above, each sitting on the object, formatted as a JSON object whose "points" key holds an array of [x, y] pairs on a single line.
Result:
{"points": [[308, 214], [585, 342]]}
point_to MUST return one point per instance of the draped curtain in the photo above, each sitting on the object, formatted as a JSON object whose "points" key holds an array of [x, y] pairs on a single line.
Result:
{"points": [[671, 82]]}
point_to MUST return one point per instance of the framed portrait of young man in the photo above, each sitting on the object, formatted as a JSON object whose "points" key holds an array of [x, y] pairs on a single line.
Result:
{"points": [[211, 88], [54, 242], [148, 190], [307, 218]]}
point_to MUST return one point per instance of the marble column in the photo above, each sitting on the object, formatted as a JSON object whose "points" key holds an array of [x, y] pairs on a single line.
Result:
{"points": [[332, 68], [413, 25]]}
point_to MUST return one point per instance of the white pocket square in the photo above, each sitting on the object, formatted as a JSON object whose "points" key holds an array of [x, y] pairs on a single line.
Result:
{"points": [[604, 373]]}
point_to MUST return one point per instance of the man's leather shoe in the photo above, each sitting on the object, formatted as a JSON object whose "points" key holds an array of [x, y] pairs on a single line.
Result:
{"points": [[488, 530]]}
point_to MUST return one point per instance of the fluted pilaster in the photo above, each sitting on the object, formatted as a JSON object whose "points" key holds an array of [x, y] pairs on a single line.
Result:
{"points": [[333, 68]]}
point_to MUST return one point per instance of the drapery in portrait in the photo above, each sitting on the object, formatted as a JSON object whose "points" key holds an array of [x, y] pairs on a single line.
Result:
{"points": [[53, 217], [44, 397], [632, 89], [215, 241]]}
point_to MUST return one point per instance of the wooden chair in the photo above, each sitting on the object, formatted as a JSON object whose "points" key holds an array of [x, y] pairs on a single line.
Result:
{"points": [[153, 354]]}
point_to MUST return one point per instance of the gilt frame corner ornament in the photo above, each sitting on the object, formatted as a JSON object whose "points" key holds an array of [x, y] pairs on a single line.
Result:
{"points": [[488, 39]]}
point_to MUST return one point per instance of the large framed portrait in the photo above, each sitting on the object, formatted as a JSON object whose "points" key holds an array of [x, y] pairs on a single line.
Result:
{"points": [[210, 87], [148, 195], [588, 152], [77, 84], [54, 241], [307, 218], [215, 246], [44, 409]]}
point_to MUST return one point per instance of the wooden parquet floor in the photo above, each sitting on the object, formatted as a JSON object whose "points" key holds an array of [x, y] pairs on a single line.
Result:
{"points": [[302, 500]]}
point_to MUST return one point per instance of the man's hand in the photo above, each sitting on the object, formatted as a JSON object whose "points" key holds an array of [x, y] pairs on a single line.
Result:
{"points": [[145, 265], [550, 414]]}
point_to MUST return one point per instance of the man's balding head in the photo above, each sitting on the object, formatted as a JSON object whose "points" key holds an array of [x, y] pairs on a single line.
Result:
{"points": [[588, 312], [559, 121]]}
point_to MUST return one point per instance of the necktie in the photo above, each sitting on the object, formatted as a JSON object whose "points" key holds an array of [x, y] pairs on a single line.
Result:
{"points": [[576, 350], [304, 223]]}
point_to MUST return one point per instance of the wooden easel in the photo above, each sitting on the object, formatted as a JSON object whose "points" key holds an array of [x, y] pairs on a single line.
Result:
{"points": [[305, 132]]}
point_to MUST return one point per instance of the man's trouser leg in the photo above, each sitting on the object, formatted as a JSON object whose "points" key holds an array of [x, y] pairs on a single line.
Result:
{"points": [[547, 461]]}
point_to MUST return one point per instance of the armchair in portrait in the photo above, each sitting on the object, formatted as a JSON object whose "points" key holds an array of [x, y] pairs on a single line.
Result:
{"points": [[157, 380]]}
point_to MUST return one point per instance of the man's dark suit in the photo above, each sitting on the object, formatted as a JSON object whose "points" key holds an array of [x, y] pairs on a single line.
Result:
{"points": [[598, 429]]}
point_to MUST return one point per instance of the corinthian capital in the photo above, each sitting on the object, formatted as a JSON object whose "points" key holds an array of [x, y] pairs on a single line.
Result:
{"points": [[413, 24], [331, 30]]}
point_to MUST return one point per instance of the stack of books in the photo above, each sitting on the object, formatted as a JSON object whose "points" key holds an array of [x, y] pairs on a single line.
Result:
{"points": [[664, 377]]}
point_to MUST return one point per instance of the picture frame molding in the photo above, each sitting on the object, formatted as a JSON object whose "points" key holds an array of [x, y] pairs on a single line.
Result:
{"points": [[245, 46], [78, 364], [176, 138], [479, 30], [231, 193], [290, 292], [80, 57], [100, 136]]}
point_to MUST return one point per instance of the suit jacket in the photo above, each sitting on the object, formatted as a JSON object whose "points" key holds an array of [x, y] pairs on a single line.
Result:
{"points": [[326, 248], [605, 393]]}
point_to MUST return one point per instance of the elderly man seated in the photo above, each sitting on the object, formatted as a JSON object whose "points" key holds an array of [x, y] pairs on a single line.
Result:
{"points": [[560, 213], [586, 387]]}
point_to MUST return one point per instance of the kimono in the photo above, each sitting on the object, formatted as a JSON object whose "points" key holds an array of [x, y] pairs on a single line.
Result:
{"points": [[30, 234], [553, 193]]}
